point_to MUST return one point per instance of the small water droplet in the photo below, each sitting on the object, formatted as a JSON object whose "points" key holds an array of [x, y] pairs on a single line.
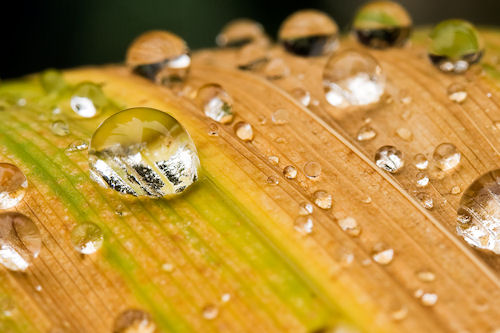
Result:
{"points": [[425, 199], [210, 312], [13, 184], [280, 117], [143, 152], [312, 170], [20, 241], [422, 179], [389, 158], [274, 160], [275, 69], [38, 288], [350, 226], [301, 95], [455, 45], [290, 172], [252, 56], [353, 78], [426, 276], [404, 133], [421, 162], [87, 100], [305, 208], [429, 299], [406, 115], [323, 199], [244, 131], [213, 129], [75, 146], [457, 93], [455, 189], [382, 24], [225, 298], [160, 56], [134, 321], [52, 81], [215, 102], [400, 314], [304, 224], [309, 33], [168, 267], [406, 100], [60, 128], [447, 156], [383, 257], [272, 180], [87, 238], [240, 32], [366, 133], [418, 293]]}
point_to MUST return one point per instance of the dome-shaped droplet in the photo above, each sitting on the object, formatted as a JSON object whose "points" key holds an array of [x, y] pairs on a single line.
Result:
{"points": [[215, 102], [366, 133], [13, 184], [244, 131], [353, 78], [447, 156], [381, 24], [59, 128], [20, 241], [304, 224], [323, 199], [290, 172], [312, 170], [52, 81], [421, 162], [425, 199], [478, 220], [143, 152], [309, 33], [389, 158], [280, 117], [210, 311], [240, 32], [457, 93], [252, 57], [350, 226], [305, 208], [87, 238], [383, 257], [160, 56], [301, 95], [275, 69], [455, 45], [88, 99], [134, 321]]}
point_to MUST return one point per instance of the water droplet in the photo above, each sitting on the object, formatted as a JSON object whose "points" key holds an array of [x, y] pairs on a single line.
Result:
{"points": [[457, 93], [210, 312], [429, 299], [309, 33], [274, 160], [381, 24], [304, 224], [421, 162], [252, 56], [213, 129], [240, 32], [400, 314], [52, 81], [88, 99], [350, 226], [87, 238], [160, 56], [426, 276], [323, 199], [60, 128], [312, 170], [215, 102], [134, 321], [275, 69], [389, 158], [78, 145], [305, 208], [422, 179], [478, 220], [455, 45], [272, 180], [244, 131], [353, 78], [446, 156], [383, 257], [301, 95], [406, 100], [225, 298], [13, 184], [366, 133], [168, 267], [143, 152], [425, 199], [290, 172], [20, 241], [404, 133], [455, 190], [280, 117]]}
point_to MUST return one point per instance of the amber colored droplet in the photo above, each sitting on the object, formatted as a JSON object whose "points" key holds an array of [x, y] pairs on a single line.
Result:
{"points": [[244, 131], [134, 321], [13, 184]]}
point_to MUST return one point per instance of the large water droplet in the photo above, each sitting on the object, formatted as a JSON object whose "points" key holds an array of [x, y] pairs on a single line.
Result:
{"points": [[309, 33], [143, 152], [381, 24], [447, 156], [87, 100], [160, 56], [478, 220], [389, 158], [290, 172], [353, 78], [134, 321], [240, 32], [215, 102], [455, 45], [87, 238], [312, 170], [323, 199], [20, 241], [244, 131], [13, 184]]}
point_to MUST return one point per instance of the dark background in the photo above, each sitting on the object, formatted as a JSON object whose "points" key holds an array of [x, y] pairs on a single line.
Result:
{"points": [[40, 34]]}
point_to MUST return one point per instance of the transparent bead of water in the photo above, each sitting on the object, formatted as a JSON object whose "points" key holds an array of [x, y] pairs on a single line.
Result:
{"points": [[87, 238], [404, 133], [301, 95], [425, 199], [240, 32], [13, 185], [478, 216], [143, 152], [323, 199], [134, 321], [304, 224], [52, 81], [160, 56], [274, 160], [422, 179], [210, 312], [426, 276], [353, 78], [215, 102], [272, 180], [366, 133], [389, 158], [309, 33], [280, 117], [20, 241], [457, 93], [382, 24], [290, 172], [275, 69], [306, 208], [429, 299], [383, 257], [421, 162], [244, 131], [312, 170], [60, 128], [446, 156], [75, 146], [252, 57], [88, 100], [213, 129], [350, 226]]}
